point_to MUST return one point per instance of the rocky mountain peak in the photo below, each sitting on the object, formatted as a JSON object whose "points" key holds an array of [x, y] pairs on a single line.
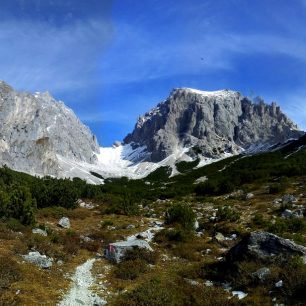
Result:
{"points": [[35, 130], [213, 123]]}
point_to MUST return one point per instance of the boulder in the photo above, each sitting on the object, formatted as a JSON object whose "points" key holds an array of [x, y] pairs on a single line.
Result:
{"points": [[39, 260], [264, 246], [287, 213], [116, 250], [298, 213], [64, 222]]}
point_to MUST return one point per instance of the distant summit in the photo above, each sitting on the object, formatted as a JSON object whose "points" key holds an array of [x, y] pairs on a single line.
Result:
{"points": [[210, 124]]}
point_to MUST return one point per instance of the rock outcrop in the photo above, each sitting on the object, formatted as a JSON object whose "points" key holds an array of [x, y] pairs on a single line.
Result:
{"points": [[264, 246], [39, 260], [36, 129], [210, 123]]}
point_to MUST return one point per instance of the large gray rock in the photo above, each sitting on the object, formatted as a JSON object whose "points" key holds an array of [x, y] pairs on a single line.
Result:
{"points": [[213, 123], [39, 260], [264, 246], [36, 131], [115, 251]]}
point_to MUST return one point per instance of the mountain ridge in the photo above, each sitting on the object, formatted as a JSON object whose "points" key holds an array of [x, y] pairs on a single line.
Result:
{"points": [[217, 122], [42, 136]]}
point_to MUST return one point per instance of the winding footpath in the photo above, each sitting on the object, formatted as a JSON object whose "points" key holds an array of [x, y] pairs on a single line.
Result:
{"points": [[80, 293]]}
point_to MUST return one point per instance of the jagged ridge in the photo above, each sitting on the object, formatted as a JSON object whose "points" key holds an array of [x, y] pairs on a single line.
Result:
{"points": [[36, 129], [212, 123]]}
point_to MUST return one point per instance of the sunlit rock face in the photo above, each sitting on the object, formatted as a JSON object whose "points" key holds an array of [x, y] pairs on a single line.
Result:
{"points": [[210, 124], [36, 129]]}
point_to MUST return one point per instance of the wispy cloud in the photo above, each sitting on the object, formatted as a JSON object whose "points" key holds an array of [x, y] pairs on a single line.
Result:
{"points": [[147, 59], [294, 105], [39, 56]]}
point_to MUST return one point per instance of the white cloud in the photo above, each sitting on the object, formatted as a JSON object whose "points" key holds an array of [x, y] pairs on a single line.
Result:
{"points": [[142, 58], [37, 56]]}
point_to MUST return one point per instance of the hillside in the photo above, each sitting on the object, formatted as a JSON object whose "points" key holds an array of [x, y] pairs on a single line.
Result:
{"points": [[191, 227]]}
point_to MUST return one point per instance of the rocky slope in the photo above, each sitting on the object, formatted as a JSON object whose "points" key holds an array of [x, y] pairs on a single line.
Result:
{"points": [[210, 123], [36, 131]]}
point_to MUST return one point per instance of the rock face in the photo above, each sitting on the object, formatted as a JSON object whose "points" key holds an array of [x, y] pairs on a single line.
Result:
{"points": [[264, 246], [36, 129], [211, 123]]}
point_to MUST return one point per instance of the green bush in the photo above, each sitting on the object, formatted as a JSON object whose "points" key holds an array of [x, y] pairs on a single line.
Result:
{"points": [[15, 225], [9, 272], [17, 202], [185, 166], [172, 291], [140, 253], [287, 225], [181, 214], [226, 213], [130, 269]]}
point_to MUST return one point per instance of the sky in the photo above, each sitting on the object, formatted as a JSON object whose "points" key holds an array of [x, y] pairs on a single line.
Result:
{"points": [[113, 60]]}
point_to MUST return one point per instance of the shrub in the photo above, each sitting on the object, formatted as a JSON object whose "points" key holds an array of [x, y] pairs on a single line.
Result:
{"points": [[130, 269], [275, 188], [260, 221], [15, 225], [173, 291], [140, 253], [181, 214], [9, 272], [17, 202], [226, 213], [52, 212], [294, 278]]}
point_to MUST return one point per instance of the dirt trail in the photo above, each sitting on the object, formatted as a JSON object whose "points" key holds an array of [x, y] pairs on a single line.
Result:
{"points": [[80, 293]]}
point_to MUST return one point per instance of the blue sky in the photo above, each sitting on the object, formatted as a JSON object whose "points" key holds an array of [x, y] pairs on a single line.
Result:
{"points": [[112, 60]]}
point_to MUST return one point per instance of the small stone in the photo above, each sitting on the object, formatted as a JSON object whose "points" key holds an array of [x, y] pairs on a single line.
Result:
{"points": [[241, 295], [39, 232], [249, 196], [279, 284], [64, 222], [219, 237], [262, 273]]}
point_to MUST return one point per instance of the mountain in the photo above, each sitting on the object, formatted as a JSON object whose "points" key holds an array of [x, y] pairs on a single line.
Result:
{"points": [[210, 123], [37, 132], [41, 136]]}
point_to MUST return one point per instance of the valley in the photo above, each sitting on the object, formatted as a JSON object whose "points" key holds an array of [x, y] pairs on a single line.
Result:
{"points": [[198, 225]]}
